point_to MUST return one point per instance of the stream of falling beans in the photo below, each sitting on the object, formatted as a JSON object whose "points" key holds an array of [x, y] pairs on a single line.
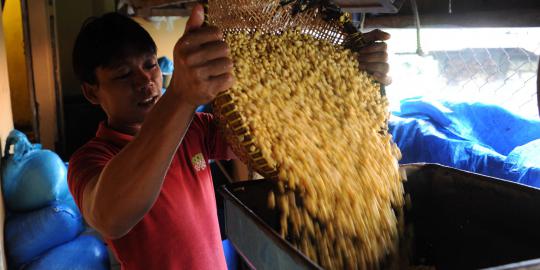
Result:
{"points": [[322, 123]]}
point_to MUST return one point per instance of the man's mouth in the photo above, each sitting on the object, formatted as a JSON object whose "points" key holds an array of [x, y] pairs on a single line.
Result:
{"points": [[148, 101]]}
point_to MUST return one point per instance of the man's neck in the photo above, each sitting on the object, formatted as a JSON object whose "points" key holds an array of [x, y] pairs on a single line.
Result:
{"points": [[130, 129]]}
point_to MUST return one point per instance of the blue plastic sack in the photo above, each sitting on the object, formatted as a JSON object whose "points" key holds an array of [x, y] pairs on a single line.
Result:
{"points": [[166, 65], [28, 235], [32, 178], [86, 252], [231, 256]]}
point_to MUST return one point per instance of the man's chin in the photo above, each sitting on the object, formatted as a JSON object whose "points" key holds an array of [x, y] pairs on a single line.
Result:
{"points": [[137, 118]]}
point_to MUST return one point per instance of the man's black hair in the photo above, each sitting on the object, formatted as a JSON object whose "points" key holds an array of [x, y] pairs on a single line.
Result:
{"points": [[105, 40]]}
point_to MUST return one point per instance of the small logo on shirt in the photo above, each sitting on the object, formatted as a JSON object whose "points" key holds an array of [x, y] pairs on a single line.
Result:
{"points": [[198, 162]]}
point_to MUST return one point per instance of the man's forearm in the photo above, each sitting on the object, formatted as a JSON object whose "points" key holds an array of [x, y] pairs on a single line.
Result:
{"points": [[130, 183]]}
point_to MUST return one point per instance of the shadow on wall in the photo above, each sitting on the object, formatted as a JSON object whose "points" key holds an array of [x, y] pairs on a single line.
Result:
{"points": [[81, 121]]}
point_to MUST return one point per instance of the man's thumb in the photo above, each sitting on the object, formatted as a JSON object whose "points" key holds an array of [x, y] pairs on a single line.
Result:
{"points": [[196, 19]]}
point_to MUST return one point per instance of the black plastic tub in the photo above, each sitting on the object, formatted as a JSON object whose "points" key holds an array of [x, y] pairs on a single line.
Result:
{"points": [[460, 220]]}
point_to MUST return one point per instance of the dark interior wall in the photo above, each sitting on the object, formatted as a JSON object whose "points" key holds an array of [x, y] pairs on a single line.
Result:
{"points": [[80, 117], [69, 17]]}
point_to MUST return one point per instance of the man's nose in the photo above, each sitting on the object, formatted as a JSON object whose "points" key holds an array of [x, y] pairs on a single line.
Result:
{"points": [[142, 78]]}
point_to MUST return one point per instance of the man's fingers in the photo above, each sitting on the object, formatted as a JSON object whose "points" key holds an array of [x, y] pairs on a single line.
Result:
{"points": [[208, 52], [382, 78], [215, 68], [375, 35], [372, 68], [376, 57], [375, 47], [221, 83], [196, 19], [194, 39]]}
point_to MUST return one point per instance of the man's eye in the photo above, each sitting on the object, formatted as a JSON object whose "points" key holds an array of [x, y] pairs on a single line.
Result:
{"points": [[122, 76], [151, 66]]}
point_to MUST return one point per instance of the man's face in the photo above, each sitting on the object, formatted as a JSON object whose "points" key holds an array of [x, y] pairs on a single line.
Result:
{"points": [[128, 90]]}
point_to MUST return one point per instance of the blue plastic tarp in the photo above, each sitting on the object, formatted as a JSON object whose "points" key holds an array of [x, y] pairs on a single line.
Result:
{"points": [[476, 137], [523, 163]]}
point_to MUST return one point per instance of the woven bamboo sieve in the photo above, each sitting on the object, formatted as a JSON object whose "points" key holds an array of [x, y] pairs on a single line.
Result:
{"points": [[320, 19]]}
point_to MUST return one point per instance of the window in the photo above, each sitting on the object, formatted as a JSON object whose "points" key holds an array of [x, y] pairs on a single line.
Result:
{"points": [[491, 65]]}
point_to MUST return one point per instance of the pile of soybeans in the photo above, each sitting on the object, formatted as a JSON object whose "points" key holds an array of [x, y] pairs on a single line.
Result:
{"points": [[320, 122]]}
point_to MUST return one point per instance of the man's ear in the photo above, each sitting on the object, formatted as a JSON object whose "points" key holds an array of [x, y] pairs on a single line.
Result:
{"points": [[90, 92]]}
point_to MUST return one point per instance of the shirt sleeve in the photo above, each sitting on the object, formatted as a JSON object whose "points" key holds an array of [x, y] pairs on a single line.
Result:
{"points": [[218, 148], [84, 165]]}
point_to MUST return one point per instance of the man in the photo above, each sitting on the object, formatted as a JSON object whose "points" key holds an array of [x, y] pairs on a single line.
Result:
{"points": [[143, 182]]}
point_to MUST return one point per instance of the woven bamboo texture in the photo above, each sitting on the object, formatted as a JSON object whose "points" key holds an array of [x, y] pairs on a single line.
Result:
{"points": [[269, 17]]}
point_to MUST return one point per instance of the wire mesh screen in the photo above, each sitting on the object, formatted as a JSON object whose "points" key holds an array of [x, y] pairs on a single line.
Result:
{"points": [[271, 17], [492, 65]]}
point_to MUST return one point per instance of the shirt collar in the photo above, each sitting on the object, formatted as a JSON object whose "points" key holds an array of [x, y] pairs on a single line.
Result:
{"points": [[106, 133]]}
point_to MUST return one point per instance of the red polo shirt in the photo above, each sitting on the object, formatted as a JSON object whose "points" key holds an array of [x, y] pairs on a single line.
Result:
{"points": [[181, 229]]}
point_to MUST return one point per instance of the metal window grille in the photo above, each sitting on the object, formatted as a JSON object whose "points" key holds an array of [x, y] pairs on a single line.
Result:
{"points": [[501, 71]]}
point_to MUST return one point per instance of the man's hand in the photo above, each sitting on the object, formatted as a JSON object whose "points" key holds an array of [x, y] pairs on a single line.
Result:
{"points": [[202, 63], [374, 58]]}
